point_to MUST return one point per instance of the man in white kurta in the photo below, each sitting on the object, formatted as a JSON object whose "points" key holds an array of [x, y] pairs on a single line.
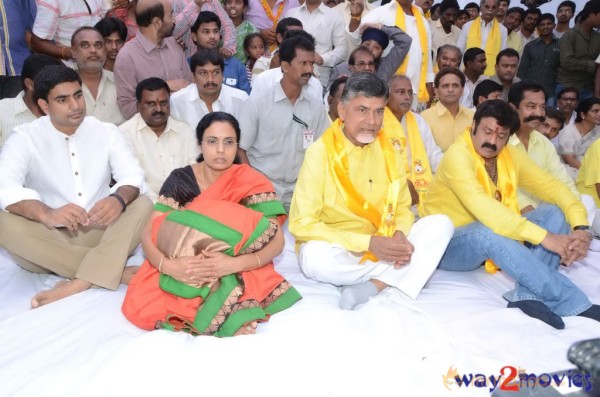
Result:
{"points": [[160, 142]]}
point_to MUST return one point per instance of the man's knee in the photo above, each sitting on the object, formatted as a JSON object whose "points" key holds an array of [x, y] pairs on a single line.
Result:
{"points": [[314, 259], [439, 225]]}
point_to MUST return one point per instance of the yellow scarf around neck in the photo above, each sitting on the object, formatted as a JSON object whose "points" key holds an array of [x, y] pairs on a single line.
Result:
{"points": [[506, 189], [382, 218], [492, 45], [419, 172], [422, 94]]}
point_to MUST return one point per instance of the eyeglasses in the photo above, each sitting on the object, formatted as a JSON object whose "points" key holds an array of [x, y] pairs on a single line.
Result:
{"points": [[227, 142]]}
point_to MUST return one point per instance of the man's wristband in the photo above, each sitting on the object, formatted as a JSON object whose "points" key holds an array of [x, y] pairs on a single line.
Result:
{"points": [[115, 195], [581, 227]]}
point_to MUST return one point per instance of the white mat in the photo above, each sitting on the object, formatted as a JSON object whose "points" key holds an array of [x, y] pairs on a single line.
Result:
{"points": [[83, 345]]}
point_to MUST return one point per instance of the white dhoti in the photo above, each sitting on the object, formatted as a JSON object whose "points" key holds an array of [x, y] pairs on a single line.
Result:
{"points": [[331, 263]]}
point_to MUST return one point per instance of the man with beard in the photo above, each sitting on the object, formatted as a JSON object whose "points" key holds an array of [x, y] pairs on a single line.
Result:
{"points": [[447, 118], [540, 58], [98, 85], [443, 30], [475, 63], [502, 8], [530, 22], [485, 32], [281, 123], [475, 186], [507, 63], [208, 94], [114, 32], [564, 13], [152, 53], [512, 20], [59, 213], [160, 142], [529, 100]]}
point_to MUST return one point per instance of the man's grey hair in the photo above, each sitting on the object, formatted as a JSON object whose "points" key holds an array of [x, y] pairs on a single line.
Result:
{"points": [[366, 84], [450, 47]]}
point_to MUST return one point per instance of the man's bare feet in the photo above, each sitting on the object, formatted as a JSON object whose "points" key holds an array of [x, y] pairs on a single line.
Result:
{"points": [[247, 329], [128, 274], [62, 289]]}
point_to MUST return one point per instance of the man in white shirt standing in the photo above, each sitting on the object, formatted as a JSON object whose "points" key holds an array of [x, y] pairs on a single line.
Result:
{"points": [[59, 214], [327, 27], [418, 64], [160, 142], [98, 84], [208, 94], [23, 108]]}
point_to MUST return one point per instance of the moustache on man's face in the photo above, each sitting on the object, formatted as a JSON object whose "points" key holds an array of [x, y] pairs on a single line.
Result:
{"points": [[490, 146]]}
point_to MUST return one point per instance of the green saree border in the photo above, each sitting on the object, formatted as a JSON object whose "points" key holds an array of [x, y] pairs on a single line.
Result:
{"points": [[285, 301], [214, 302], [162, 207], [237, 320], [175, 287], [268, 208], [210, 226]]}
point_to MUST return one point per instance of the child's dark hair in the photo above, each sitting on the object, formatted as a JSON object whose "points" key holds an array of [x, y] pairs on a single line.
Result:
{"points": [[249, 38]]}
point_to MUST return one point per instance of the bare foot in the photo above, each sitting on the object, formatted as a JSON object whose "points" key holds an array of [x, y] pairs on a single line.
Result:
{"points": [[247, 329], [62, 289], [128, 274]]}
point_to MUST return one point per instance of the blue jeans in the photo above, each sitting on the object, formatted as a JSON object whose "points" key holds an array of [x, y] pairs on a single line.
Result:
{"points": [[534, 268]]}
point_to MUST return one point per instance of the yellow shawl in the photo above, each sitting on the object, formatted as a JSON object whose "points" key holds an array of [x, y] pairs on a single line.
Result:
{"points": [[422, 94], [382, 218], [506, 189], [492, 45], [419, 172]]}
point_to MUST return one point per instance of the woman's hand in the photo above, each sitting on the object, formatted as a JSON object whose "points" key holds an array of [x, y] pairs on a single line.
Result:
{"points": [[222, 264], [190, 269]]}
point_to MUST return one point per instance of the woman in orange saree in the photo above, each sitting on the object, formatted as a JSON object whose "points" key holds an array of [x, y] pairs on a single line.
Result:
{"points": [[210, 245]]}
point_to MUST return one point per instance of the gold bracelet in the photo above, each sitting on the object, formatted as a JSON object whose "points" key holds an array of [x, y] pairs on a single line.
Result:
{"points": [[258, 259], [356, 18], [160, 264], [62, 52]]}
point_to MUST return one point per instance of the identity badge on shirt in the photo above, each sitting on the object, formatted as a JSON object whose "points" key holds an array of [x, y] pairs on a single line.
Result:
{"points": [[309, 136]]}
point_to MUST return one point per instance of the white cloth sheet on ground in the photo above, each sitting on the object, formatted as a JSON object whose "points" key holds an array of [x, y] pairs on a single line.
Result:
{"points": [[84, 346]]}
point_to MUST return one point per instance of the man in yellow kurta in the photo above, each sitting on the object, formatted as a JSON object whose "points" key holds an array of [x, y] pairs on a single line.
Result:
{"points": [[476, 185], [448, 118], [588, 180], [422, 154], [350, 212]]}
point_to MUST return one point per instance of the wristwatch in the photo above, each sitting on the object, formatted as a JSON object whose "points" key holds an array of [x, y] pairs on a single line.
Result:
{"points": [[586, 229]]}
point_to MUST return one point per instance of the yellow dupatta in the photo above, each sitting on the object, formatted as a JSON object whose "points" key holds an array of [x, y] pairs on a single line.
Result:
{"points": [[422, 94], [492, 45], [383, 219], [273, 18], [506, 189], [419, 172]]}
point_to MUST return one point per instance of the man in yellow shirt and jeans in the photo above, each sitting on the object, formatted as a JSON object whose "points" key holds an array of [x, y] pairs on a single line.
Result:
{"points": [[350, 211], [476, 186]]}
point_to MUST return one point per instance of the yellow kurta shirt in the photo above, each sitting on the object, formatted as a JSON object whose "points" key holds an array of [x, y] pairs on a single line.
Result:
{"points": [[456, 192], [318, 210], [589, 172], [444, 127], [543, 153]]}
